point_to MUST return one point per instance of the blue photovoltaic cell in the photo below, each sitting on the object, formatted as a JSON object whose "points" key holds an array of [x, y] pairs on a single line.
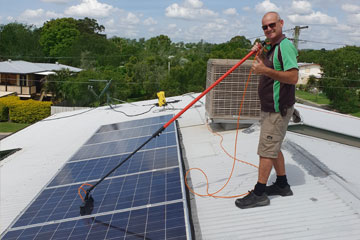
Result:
{"points": [[127, 133], [124, 146], [112, 194], [84, 171], [160, 222], [125, 199], [135, 123]]}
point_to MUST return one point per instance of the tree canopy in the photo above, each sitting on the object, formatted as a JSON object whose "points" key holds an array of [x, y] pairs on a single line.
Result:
{"points": [[141, 67]]}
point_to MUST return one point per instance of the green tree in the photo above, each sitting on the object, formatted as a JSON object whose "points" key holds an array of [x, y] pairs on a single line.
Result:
{"points": [[89, 26], [19, 41], [159, 45], [56, 85], [58, 35], [340, 81]]}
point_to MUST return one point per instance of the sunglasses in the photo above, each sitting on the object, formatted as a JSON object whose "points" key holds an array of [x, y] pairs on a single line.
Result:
{"points": [[271, 25]]}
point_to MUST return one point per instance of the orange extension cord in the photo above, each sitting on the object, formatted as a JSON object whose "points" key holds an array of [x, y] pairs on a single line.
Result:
{"points": [[207, 182], [81, 188], [234, 157]]}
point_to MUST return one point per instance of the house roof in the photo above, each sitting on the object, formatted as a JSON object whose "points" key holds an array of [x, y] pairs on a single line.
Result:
{"points": [[24, 67], [308, 64], [323, 174]]}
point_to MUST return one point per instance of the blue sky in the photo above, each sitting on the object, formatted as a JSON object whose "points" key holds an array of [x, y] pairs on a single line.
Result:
{"points": [[332, 23]]}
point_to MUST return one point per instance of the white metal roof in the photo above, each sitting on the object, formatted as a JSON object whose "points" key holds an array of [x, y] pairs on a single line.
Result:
{"points": [[307, 64], [323, 174], [23, 67]]}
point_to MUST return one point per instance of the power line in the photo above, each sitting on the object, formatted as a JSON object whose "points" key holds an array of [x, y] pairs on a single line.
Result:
{"points": [[322, 42], [71, 82], [344, 79], [69, 57]]}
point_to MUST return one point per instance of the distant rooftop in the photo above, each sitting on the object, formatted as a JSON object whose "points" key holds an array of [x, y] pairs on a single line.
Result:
{"points": [[24, 67], [307, 64]]}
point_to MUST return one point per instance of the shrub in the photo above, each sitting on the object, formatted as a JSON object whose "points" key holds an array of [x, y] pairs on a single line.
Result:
{"points": [[24, 111], [4, 113], [5, 104]]}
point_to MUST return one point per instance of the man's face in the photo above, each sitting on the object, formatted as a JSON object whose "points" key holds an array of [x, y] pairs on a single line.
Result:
{"points": [[272, 27]]}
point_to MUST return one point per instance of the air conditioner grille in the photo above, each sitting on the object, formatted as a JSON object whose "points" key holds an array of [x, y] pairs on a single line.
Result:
{"points": [[223, 102]]}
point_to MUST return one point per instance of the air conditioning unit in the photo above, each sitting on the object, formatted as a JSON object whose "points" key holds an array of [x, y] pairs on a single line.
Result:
{"points": [[223, 101]]}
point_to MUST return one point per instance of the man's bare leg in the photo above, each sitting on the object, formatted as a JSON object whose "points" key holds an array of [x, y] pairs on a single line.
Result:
{"points": [[265, 167], [279, 164]]}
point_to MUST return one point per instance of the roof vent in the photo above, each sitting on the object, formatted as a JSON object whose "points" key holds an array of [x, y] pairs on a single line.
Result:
{"points": [[57, 63], [9, 60]]}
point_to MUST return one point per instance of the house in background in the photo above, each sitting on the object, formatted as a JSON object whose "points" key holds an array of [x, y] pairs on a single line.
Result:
{"points": [[308, 69], [25, 79]]}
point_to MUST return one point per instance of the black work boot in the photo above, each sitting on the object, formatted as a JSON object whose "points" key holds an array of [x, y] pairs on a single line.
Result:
{"points": [[252, 200], [275, 189]]}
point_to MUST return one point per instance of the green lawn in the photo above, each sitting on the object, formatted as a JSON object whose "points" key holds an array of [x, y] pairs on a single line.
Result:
{"points": [[357, 114], [316, 98], [11, 127]]}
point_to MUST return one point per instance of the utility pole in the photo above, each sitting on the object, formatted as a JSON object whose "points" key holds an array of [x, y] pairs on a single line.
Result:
{"points": [[297, 34]]}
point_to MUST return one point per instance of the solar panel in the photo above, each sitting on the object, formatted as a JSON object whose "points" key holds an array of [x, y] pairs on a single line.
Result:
{"points": [[158, 222], [123, 146], [113, 194], [83, 171], [146, 186]]}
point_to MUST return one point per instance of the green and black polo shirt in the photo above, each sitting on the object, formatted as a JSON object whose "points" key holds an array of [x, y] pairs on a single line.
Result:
{"points": [[274, 95]]}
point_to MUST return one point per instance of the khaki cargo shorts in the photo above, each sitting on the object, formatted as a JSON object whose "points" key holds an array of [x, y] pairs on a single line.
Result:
{"points": [[272, 133]]}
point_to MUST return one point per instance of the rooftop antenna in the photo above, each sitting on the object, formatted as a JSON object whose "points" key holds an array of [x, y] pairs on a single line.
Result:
{"points": [[105, 90]]}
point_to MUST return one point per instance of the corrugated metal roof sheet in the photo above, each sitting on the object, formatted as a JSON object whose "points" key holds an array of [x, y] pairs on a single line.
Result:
{"points": [[326, 201], [23, 67]]}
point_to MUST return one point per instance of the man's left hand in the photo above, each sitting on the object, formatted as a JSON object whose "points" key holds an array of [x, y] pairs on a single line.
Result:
{"points": [[258, 66]]}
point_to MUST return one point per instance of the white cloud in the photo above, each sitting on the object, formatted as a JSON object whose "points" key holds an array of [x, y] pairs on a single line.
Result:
{"points": [[90, 8], [314, 17], [131, 19], [246, 9], [343, 28], [31, 14], [56, 1], [301, 7], [51, 14], [354, 18], [172, 26], [221, 21], [350, 8], [355, 33], [191, 9], [150, 21], [193, 4], [38, 15], [266, 6], [110, 22], [230, 11], [35, 16]]}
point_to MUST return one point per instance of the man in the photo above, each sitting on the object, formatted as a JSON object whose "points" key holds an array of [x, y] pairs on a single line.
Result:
{"points": [[278, 66]]}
